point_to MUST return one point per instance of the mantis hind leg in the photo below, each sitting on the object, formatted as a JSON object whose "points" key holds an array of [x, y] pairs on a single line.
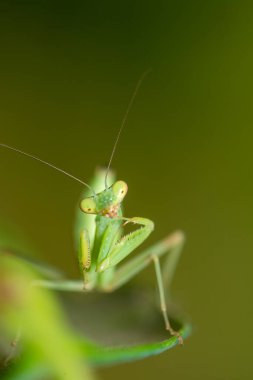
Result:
{"points": [[172, 246]]}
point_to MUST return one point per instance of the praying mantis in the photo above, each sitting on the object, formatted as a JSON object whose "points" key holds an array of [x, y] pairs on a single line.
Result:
{"points": [[102, 245]]}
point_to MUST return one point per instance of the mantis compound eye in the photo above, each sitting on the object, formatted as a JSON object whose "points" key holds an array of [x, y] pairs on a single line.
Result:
{"points": [[120, 189], [88, 206]]}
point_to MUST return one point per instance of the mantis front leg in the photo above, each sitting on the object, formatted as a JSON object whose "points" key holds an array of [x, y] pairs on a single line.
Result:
{"points": [[112, 250], [126, 244]]}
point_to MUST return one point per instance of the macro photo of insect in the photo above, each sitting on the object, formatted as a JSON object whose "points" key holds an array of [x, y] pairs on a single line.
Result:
{"points": [[126, 194]]}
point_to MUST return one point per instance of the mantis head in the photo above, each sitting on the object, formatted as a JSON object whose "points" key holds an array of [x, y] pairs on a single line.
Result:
{"points": [[107, 202]]}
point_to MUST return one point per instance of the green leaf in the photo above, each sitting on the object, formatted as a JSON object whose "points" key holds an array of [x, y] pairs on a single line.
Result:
{"points": [[46, 337], [100, 356], [122, 326]]}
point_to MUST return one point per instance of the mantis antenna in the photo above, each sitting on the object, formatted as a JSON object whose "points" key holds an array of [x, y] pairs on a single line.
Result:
{"points": [[48, 164], [124, 122]]}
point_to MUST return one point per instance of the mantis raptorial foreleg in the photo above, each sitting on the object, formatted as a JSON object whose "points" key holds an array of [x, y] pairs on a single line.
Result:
{"points": [[126, 244]]}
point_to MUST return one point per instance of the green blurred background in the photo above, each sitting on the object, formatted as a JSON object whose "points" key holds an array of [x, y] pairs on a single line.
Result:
{"points": [[67, 71]]}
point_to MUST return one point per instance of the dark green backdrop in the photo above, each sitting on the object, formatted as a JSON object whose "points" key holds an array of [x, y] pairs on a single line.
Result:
{"points": [[67, 70]]}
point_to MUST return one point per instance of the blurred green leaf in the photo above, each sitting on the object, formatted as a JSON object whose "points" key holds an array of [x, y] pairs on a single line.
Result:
{"points": [[123, 326], [98, 356], [34, 311]]}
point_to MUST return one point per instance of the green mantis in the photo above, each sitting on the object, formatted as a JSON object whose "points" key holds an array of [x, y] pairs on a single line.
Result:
{"points": [[103, 246]]}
